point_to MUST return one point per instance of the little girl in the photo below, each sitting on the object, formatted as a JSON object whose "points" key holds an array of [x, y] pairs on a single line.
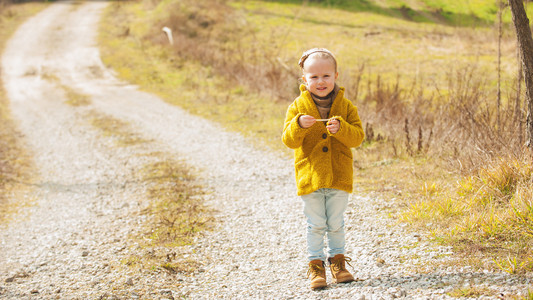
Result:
{"points": [[321, 125]]}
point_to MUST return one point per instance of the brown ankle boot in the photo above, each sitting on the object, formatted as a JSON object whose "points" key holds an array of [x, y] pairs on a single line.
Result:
{"points": [[338, 269], [317, 274]]}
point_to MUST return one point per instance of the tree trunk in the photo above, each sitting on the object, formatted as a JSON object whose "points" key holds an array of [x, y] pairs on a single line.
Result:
{"points": [[518, 106], [525, 44], [499, 93]]}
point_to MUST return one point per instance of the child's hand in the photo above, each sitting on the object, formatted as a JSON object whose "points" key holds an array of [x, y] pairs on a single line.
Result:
{"points": [[333, 126], [306, 121]]}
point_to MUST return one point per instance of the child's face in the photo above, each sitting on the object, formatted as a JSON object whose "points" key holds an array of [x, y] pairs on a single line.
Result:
{"points": [[319, 76]]}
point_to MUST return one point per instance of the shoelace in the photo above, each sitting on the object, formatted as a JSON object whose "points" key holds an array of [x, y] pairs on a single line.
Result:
{"points": [[315, 270], [338, 265]]}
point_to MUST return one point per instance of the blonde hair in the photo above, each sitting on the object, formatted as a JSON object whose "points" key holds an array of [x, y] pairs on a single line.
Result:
{"points": [[317, 53]]}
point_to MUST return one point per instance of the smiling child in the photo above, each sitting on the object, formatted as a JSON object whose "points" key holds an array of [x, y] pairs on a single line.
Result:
{"points": [[323, 161]]}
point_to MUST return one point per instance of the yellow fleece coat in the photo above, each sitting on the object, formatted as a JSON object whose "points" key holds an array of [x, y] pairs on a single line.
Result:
{"points": [[323, 159]]}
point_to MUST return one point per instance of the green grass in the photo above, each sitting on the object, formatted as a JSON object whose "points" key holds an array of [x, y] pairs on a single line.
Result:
{"points": [[471, 292], [529, 295], [452, 13]]}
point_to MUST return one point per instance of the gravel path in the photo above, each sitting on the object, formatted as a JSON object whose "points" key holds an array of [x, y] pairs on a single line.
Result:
{"points": [[71, 243]]}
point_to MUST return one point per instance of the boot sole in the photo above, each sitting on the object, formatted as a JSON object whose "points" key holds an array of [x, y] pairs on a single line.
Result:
{"points": [[319, 286], [334, 280]]}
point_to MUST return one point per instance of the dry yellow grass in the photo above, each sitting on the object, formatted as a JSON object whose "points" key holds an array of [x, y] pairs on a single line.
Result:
{"points": [[486, 215], [176, 215], [116, 129]]}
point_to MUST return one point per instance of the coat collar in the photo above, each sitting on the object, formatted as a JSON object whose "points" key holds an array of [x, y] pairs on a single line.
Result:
{"points": [[310, 104]]}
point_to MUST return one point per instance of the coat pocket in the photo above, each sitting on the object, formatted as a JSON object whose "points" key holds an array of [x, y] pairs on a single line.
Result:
{"points": [[343, 168], [303, 172]]}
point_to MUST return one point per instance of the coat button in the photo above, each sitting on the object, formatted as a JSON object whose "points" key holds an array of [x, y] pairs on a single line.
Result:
{"points": [[324, 136], [325, 149]]}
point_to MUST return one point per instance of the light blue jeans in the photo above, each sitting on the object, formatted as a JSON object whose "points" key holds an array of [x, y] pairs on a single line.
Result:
{"points": [[324, 209]]}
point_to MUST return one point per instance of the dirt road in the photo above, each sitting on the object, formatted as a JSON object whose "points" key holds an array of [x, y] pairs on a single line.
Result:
{"points": [[71, 243]]}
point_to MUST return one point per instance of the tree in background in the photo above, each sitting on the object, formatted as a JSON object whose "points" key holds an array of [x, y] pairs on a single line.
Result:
{"points": [[525, 45]]}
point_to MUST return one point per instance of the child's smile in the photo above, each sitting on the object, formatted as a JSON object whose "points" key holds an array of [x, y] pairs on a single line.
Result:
{"points": [[319, 76]]}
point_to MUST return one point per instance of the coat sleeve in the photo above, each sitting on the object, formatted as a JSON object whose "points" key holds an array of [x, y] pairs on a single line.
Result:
{"points": [[351, 132], [293, 135]]}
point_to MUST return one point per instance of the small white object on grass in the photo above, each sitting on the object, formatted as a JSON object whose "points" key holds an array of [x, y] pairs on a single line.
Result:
{"points": [[168, 32]]}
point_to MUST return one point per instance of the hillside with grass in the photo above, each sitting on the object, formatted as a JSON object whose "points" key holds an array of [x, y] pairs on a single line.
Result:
{"points": [[424, 75]]}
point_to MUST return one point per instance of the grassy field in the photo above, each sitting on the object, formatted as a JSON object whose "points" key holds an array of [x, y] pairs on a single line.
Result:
{"points": [[15, 162], [423, 74], [461, 13]]}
